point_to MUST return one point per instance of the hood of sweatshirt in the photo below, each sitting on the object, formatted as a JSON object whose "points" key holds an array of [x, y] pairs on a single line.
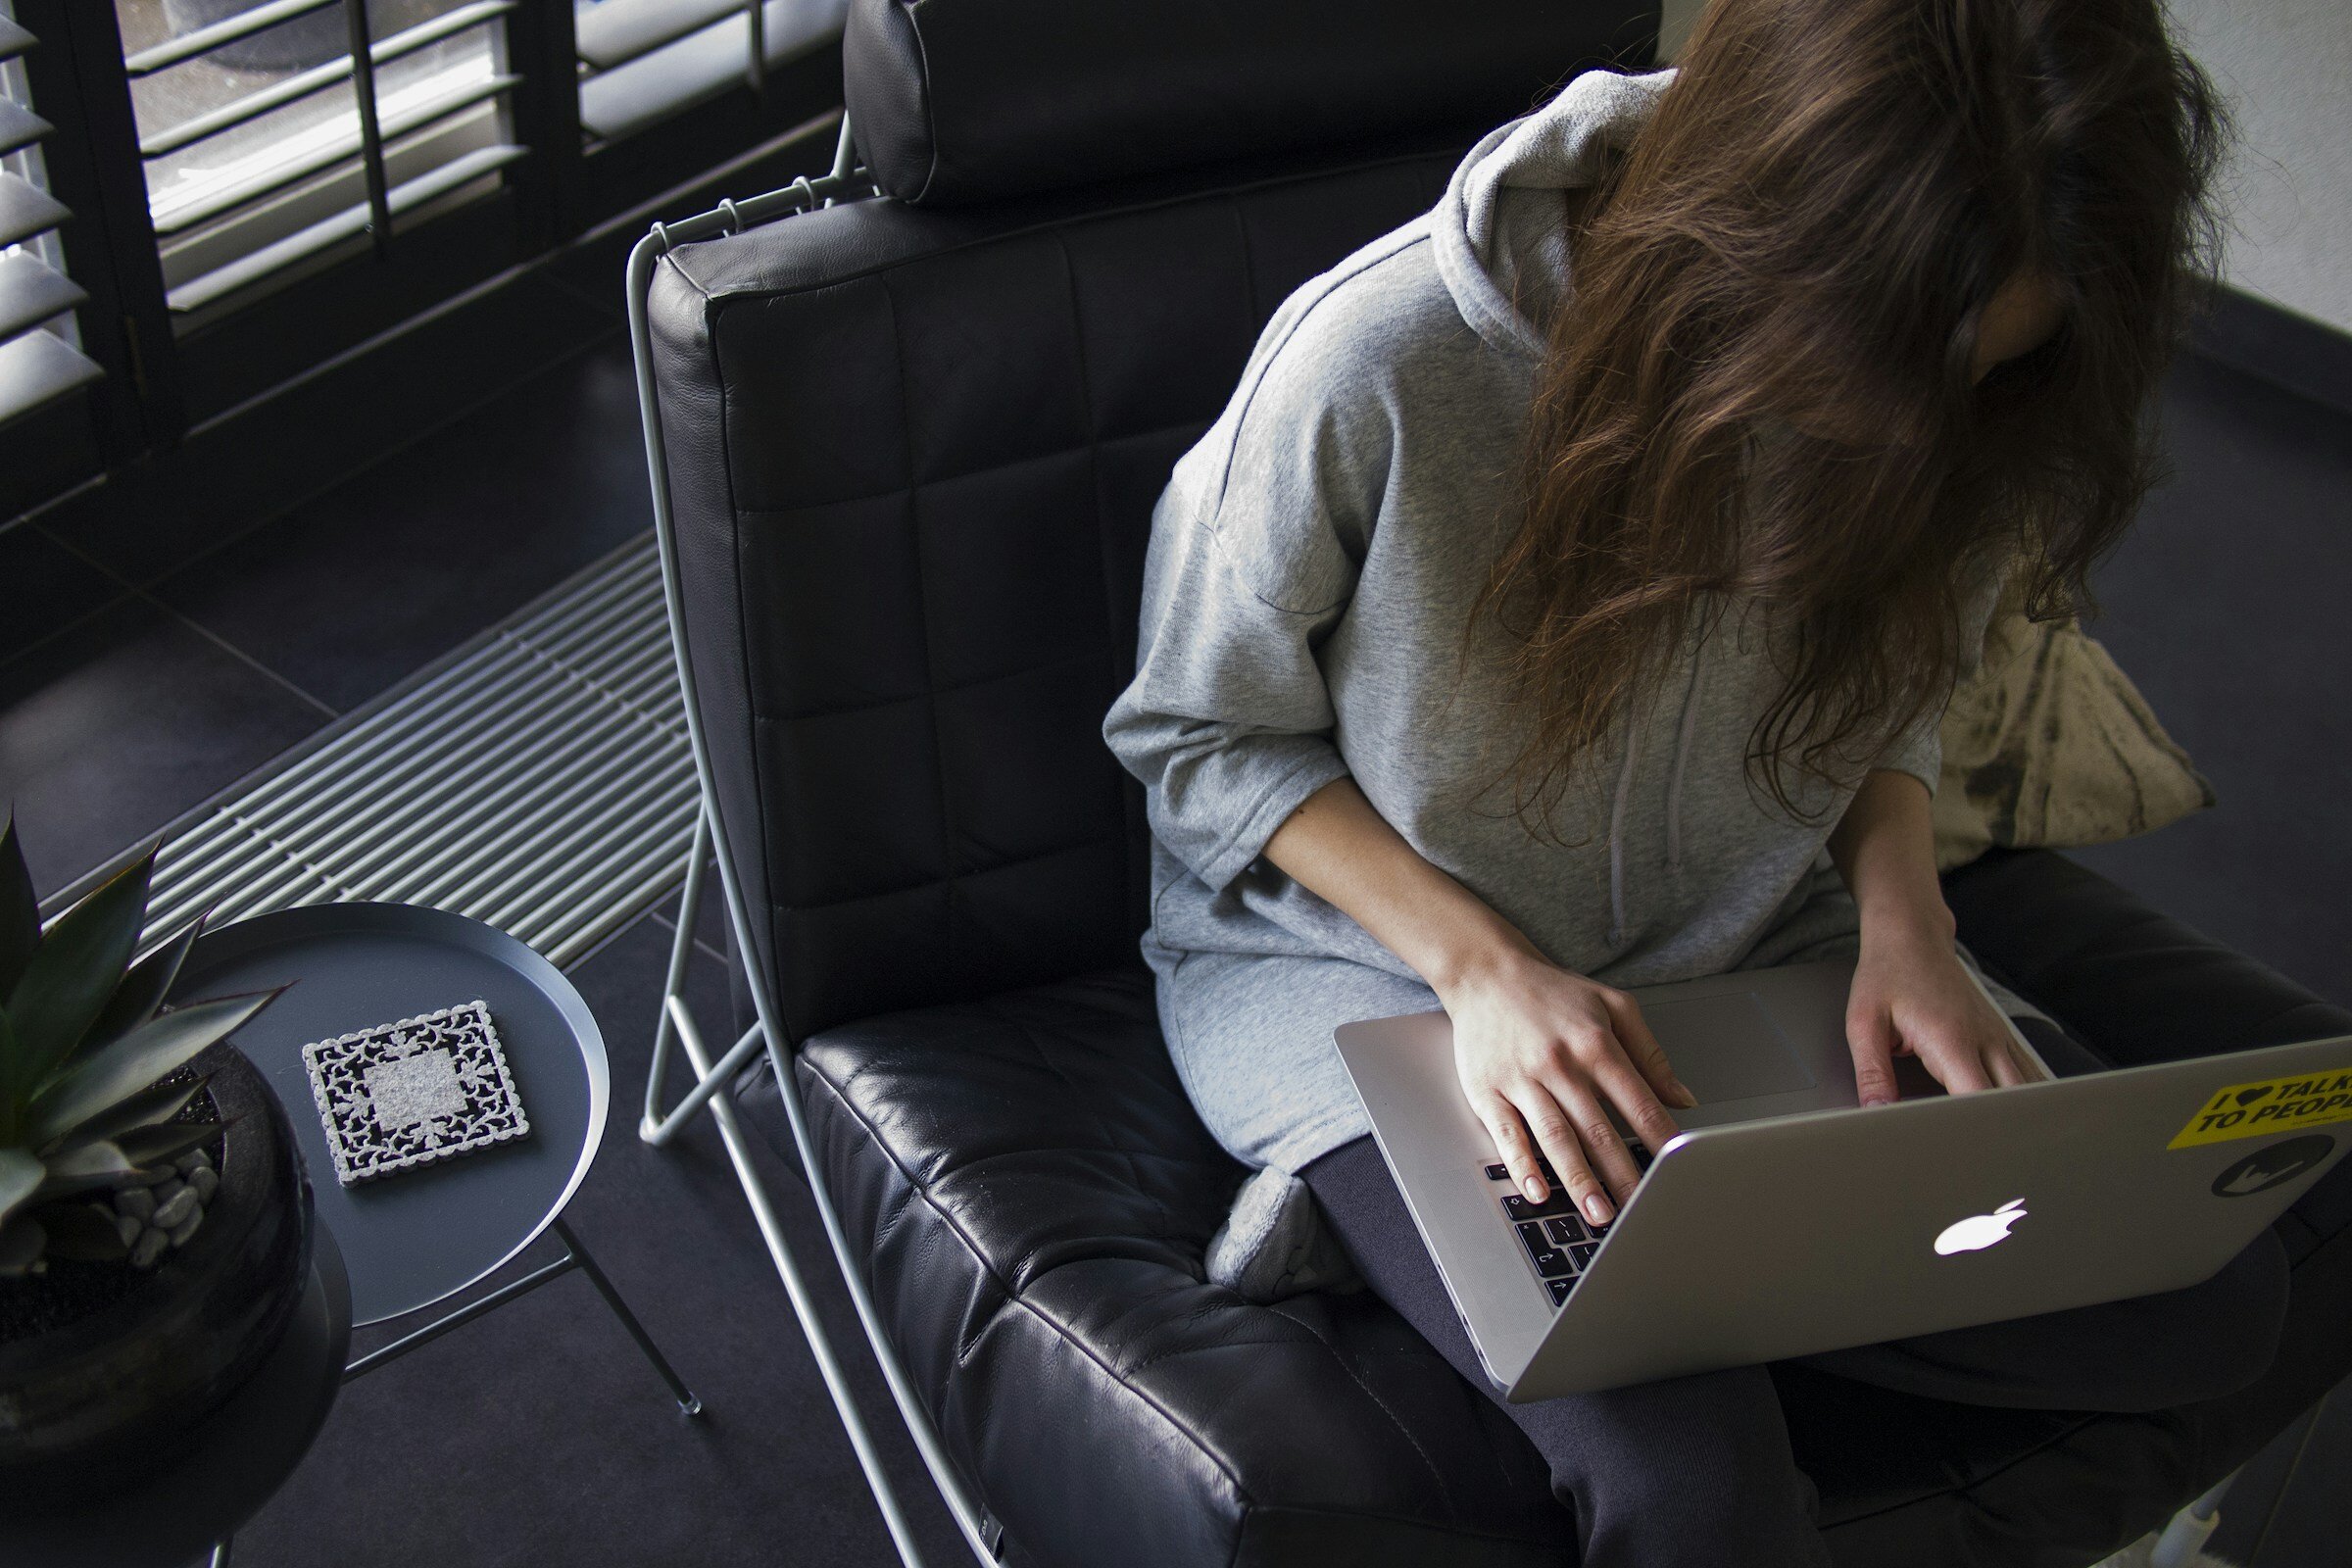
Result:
{"points": [[1501, 245]]}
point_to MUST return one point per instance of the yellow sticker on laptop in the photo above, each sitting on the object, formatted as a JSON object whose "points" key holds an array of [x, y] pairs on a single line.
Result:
{"points": [[2273, 1105]]}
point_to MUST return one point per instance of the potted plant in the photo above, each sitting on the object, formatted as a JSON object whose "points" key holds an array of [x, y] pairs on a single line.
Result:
{"points": [[154, 1218]]}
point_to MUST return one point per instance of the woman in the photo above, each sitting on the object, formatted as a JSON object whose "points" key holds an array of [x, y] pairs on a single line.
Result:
{"points": [[1568, 598]]}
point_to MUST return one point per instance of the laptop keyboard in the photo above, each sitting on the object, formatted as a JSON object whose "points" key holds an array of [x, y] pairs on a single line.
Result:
{"points": [[1556, 1240]]}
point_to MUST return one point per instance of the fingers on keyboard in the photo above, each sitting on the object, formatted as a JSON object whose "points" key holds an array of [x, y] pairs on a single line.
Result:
{"points": [[1496, 1171], [1558, 1240]]}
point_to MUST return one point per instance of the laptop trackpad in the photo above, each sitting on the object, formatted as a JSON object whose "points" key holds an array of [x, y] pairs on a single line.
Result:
{"points": [[1726, 1047]]}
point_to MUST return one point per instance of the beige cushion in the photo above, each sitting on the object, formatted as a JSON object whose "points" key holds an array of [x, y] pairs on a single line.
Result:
{"points": [[2048, 743]]}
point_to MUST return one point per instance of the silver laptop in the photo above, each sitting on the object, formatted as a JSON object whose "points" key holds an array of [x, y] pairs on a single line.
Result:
{"points": [[1786, 1220]]}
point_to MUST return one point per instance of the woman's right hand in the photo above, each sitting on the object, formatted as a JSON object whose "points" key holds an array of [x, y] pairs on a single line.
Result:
{"points": [[1542, 1053], [1543, 1056]]}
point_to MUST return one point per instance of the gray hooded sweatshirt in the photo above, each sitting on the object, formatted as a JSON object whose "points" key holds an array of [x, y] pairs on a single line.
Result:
{"points": [[1312, 570]]}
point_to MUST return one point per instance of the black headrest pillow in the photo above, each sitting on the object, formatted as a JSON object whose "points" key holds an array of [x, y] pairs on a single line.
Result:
{"points": [[960, 101]]}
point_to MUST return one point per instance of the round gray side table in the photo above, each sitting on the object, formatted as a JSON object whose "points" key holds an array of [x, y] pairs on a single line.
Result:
{"points": [[416, 1238]]}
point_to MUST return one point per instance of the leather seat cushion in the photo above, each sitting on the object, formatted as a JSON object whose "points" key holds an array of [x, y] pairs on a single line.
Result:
{"points": [[1034, 1197]]}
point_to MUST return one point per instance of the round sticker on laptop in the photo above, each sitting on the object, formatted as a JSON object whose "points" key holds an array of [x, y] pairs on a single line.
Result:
{"points": [[2265, 1168]]}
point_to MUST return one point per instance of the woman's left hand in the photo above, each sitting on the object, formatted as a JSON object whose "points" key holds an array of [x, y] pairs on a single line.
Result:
{"points": [[1911, 997]]}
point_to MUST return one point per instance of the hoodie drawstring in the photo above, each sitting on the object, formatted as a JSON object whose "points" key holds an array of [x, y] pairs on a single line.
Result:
{"points": [[1684, 731], [1682, 758], [1625, 785]]}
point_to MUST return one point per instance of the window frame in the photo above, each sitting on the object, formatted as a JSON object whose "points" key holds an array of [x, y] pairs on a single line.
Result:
{"points": [[166, 378]]}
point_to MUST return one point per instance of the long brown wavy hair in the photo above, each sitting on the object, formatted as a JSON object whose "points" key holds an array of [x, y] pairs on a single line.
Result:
{"points": [[1760, 382]]}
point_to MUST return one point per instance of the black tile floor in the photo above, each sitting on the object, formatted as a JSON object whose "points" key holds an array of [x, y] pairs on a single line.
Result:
{"points": [[125, 703], [537, 1435], [449, 537], [49, 588], [126, 718]]}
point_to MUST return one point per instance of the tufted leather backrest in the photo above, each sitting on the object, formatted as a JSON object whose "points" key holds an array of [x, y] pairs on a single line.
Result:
{"points": [[912, 459]]}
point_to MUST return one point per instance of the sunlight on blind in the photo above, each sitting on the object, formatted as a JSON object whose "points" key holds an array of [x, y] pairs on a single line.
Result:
{"points": [[40, 341], [643, 60], [266, 149]]}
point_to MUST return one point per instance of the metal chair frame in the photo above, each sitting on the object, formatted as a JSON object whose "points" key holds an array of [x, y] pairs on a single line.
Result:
{"points": [[677, 1023], [2176, 1547]]}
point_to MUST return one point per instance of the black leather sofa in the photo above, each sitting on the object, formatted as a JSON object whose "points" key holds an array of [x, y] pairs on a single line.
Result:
{"points": [[913, 448]]}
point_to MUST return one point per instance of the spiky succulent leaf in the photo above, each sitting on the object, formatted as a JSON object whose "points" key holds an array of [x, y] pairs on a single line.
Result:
{"points": [[114, 1073], [84, 1232], [152, 1145], [113, 1161], [79, 1167], [20, 909], [141, 992], [16, 1109], [22, 1241], [20, 1178], [71, 975], [100, 1162], [149, 1107]]}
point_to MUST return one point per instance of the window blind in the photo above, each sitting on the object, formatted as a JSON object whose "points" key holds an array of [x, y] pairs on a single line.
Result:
{"points": [[40, 341], [292, 131], [643, 60]]}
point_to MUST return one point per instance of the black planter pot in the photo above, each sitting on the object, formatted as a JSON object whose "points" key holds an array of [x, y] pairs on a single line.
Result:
{"points": [[112, 1386]]}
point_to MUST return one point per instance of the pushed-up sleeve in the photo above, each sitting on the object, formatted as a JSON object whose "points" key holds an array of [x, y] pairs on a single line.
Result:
{"points": [[1256, 548], [1918, 751]]}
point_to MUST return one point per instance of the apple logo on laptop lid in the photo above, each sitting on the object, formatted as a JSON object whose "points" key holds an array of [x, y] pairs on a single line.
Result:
{"points": [[1979, 1231]]}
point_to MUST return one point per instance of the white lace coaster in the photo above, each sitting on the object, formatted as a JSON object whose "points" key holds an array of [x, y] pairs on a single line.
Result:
{"points": [[410, 1092]]}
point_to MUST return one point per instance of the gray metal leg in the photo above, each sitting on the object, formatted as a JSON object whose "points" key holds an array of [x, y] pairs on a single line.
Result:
{"points": [[576, 1255], [2185, 1535], [219, 1556], [652, 1126], [461, 1317], [821, 1345], [628, 1320], [677, 1023]]}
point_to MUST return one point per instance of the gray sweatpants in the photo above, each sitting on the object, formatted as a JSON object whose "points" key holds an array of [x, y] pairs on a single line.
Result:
{"points": [[1698, 1469]]}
